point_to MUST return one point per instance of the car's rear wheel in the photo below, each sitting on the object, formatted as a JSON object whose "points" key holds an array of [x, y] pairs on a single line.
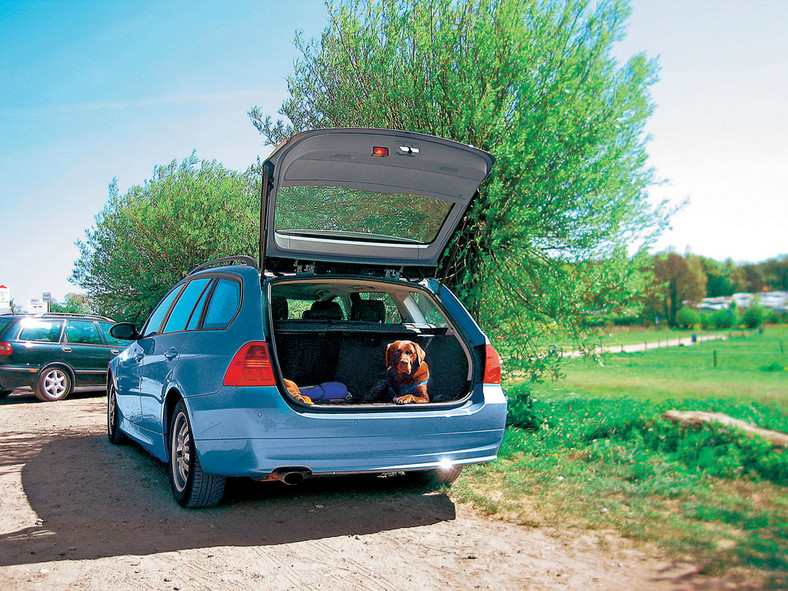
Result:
{"points": [[114, 434], [53, 384], [191, 486]]}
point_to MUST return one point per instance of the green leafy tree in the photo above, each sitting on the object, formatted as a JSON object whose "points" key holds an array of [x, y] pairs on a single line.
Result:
{"points": [[676, 280], [146, 239], [73, 303], [754, 316], [535, 83]]}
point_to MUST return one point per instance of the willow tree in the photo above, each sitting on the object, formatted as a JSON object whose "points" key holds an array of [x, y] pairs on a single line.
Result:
{"points": [[146, 239], [534, 82]]}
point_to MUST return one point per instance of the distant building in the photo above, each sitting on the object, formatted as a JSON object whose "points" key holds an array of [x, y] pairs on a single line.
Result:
{"points": [[774, 300], [5, 300]]}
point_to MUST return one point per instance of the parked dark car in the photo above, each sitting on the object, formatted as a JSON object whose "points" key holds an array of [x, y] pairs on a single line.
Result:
{"points": [[295, 368], [54, 353]]}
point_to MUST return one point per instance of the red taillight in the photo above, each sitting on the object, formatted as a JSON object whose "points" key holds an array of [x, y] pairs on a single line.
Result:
{"points": [[380, 151], [251, 366], [6, 349], [492, 366]]}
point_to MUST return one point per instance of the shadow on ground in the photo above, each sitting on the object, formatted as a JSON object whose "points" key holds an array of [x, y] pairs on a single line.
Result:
{"points": [[94, 499]]}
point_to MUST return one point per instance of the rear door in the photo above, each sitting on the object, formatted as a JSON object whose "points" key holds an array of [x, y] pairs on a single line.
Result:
{"points": [[85, 351], [39, 344], [159, 364], [367, 197], [132, 361]]}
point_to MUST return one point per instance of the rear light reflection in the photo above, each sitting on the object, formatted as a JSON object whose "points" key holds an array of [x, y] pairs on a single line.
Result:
{"points": [[492, 365], [251, 366]]}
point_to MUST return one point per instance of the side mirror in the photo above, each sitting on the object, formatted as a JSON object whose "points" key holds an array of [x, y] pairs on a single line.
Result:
{"points": [[124, 331]]}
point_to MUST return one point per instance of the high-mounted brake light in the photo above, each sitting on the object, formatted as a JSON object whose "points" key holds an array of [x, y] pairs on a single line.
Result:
{"points": [[6, 349], [492, 366], [380, 151], [251, 366]]}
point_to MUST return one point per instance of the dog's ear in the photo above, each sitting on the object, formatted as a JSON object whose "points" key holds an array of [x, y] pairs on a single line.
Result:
{"points": [[390, 351], [420, 353]]}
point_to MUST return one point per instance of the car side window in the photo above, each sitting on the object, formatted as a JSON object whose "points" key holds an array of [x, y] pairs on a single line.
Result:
{"points": [[36, 329], [182, 311], [156, 318], [197, 313], [224, 304], [429, 310], [82, 332], [108, 338]]}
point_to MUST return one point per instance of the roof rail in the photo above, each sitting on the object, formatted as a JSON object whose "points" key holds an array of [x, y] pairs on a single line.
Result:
{"points": [[244, 260], [69, 315]]}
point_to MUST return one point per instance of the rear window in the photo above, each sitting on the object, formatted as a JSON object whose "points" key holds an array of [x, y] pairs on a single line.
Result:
{"points": [[108, 338], [82, 332], [4, 322], [38, 329], [224, 304], [342, 212]]}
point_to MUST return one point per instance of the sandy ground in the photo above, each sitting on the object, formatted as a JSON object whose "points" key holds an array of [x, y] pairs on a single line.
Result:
{"points": [[79, 513]]}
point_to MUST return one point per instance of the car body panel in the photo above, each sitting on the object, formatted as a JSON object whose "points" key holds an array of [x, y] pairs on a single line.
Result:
{"points": [[252, 431], [248, 431]]}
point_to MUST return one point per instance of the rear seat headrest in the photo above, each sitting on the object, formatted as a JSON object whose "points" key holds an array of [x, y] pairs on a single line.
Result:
{"points": [[369, 310], [322, 310], [279, 308]]}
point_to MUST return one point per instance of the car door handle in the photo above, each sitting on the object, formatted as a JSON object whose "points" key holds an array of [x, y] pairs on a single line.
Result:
{"points": [[171, 354], [114, 351], [66, 349]]}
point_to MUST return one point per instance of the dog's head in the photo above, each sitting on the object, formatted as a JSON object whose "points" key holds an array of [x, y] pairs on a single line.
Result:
{"points": [[404, 357]]}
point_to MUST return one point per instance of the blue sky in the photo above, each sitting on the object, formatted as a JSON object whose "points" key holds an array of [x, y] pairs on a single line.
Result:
{"points": [[91, 91]]}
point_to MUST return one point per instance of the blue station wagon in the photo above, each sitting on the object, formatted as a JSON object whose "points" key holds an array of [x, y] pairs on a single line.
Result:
{"points": [[341, 354]]}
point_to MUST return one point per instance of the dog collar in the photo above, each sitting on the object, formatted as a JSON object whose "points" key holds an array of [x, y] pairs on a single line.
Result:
{"points": [[412, 387]]}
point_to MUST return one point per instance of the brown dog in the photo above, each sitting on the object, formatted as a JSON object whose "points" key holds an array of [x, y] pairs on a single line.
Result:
{"points": [[407, 372]]}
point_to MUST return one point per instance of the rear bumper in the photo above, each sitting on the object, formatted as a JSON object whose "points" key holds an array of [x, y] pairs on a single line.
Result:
{"points": [[253, 431], [17, 376]]}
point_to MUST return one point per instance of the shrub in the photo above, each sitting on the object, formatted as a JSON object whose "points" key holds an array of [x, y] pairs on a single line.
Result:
{"points": [[707, 319], [754, 316], [687, 318], [725, 318], [521, 409]]}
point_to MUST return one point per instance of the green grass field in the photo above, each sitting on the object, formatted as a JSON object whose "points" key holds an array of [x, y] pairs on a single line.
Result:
{"points": [[591, 451]]}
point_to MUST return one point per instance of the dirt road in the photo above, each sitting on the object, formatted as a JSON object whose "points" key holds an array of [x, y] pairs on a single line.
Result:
{"points": [[79, 513]]}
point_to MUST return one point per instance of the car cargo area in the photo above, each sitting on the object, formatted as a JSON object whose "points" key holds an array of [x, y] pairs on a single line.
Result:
{"points": [[330, 337]]}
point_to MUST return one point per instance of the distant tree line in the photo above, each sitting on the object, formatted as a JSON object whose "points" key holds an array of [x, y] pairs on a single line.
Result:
{"points": [[676, 280]]}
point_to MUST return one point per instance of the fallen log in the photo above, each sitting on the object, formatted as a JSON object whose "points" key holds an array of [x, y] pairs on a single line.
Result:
{"points": [[691, 418]]}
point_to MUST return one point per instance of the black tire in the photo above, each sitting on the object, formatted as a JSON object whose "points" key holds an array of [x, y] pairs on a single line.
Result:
{"points": [[436, 477], [191, 487], [5, 393], [114, 434], [53, 384]]}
